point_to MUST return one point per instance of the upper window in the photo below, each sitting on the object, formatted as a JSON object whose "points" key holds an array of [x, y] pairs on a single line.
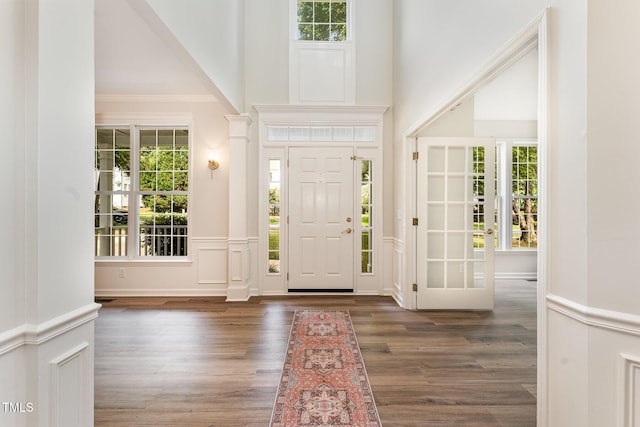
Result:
{"points": [[141, 192], [322, 20]]}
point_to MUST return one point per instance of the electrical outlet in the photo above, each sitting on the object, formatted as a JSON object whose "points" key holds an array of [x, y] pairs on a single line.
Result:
{"points": [[121, 273]]}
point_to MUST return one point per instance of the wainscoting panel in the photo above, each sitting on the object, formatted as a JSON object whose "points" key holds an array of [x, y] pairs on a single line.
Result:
{"points": [[631, 390], [398, 272], [68, 403], [212, 264]]}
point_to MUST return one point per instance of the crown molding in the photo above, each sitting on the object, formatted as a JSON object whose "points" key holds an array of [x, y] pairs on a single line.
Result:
{"points": [[155, 98]]}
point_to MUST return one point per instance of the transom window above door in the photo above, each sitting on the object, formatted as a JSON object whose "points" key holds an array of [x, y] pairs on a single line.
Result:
{"points": [[322, 20]]}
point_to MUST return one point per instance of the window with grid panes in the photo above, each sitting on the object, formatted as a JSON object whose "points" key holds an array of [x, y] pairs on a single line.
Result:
{"points": [[322, 20], [141, 192]]}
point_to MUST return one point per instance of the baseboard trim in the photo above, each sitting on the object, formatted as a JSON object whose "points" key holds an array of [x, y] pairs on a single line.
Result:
{"points": [[29, 334], [625, 323], [122, 293]]}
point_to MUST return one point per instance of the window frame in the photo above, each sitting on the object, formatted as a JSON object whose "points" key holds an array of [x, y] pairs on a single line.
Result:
{"points": [[134, 192], [293, 24], [504, 193]]}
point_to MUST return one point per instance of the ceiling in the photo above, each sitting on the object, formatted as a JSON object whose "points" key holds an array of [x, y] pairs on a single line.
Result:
{"points": [[135, 54]]}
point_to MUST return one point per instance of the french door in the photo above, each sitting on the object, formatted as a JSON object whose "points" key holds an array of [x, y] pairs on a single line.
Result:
{"points": [[456, 223], [321, 227]]}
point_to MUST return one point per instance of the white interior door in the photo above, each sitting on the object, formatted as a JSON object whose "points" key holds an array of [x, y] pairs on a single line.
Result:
{"points": [[456, 212], [321, 204]]}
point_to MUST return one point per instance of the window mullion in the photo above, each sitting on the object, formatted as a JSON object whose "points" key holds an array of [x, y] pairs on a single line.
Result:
{"points": [[134, 220]]}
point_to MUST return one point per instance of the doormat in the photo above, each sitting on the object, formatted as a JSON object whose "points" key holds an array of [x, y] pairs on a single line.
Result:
{"points": [[324, 381]]}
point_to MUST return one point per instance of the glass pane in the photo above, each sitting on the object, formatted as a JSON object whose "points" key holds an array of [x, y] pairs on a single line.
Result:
{"points": [[165, 181], [321, 10], [456, 159], [366, 262], [456, 217], [455, 275], [435, 217], [305, 32], [321, 32], [274, 240], [435, 274], [338, 12], [110, 225], [456, 188], [435, 188], [456, 245], [180, 182], [435, 245], [274, 216], [305, 11], [338, 32], [435, 159], [148, 181]]}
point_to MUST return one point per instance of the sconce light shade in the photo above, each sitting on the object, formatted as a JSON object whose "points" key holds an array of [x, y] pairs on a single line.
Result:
{"points": [[213, 165]]}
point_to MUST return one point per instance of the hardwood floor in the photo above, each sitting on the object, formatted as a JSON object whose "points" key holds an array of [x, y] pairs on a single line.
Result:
{"points": [[204, 362]]}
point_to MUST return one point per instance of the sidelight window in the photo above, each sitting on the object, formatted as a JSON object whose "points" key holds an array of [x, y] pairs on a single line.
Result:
{"points": [[274, 215], [366, 201]]}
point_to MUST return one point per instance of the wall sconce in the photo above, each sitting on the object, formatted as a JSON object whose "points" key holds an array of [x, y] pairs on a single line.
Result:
{"points": [[213, 165]]}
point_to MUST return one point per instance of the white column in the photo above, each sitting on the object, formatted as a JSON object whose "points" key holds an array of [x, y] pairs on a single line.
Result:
{"points": [[238, 289]]}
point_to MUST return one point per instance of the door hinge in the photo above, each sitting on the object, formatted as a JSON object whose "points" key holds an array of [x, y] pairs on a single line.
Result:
{"points": [[415, 287], [287, 277], [356, 158], [287, 162], [415, 221], [287, 219], [415, 155]]}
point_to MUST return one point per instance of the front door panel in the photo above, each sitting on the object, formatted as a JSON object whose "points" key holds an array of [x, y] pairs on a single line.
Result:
{"points": [[320, 202]]}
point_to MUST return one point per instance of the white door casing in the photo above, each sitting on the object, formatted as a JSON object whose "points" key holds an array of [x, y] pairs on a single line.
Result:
{"points": [[321, 206], [456, 212]]}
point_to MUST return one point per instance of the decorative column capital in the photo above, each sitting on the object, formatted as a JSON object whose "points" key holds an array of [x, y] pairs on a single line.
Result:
{"points": [[239, 125]]}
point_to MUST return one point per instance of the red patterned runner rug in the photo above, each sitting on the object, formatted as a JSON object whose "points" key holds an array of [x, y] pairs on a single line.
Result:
{"points": [[324, 381]]}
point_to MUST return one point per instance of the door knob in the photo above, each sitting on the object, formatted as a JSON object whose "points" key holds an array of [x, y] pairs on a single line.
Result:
{"points": [[489, 231], [348, 231], [348, 219]]}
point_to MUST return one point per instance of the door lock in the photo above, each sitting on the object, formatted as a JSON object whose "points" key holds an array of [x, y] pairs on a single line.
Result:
{"points": [[348, 231], [489, 231], [348, 219]]}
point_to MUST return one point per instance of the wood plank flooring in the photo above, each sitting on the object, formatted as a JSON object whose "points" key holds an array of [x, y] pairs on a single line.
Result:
{"points": [[204, 362]]}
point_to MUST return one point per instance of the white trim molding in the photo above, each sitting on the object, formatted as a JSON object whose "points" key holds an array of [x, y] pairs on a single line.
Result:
{"points": [[30, 334], [629, 410], [625, 323], [156, 98], [64, 387]]}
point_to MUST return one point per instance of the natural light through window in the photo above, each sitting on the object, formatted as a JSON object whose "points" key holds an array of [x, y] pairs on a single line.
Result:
{"points": [[322, 20], [141, 192]]}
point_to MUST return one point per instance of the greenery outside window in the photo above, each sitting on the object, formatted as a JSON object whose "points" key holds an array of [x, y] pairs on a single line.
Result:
{"points": [[141, 192], [518, 194], [322, 20]]}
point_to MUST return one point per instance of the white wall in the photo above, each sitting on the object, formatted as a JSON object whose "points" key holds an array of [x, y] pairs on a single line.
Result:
{"points": [[206, 272], [212, 31], [612, 180], [267, 71], [593, 316], [46, 330]]}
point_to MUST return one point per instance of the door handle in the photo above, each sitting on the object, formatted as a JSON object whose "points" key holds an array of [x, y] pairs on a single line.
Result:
{"points": [[348, 231], [489, 231]]}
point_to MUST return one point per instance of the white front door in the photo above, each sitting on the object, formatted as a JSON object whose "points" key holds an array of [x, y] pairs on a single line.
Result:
{"points": [[456, 223], [321, 207]]}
